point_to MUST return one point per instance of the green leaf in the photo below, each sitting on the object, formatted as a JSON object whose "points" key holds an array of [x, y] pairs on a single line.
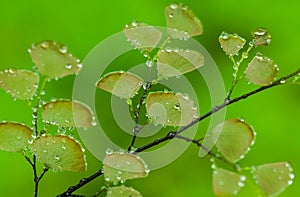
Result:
{"points": [[168, 108], [14, 137], [261, 70], [53, 60], [120, 83], [172, 63], [123, 166], [66, 113], [59, 152], [231, 43], [182, 21], [233, 139], [274, 178], [122, 191], [227, 183], [142, 36], [261, 37], [20, 84]]}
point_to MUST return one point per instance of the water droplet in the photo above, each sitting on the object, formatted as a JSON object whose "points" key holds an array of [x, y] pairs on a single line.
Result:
{"points": [[43, 92], [134, 23], [173, 6], [109, 151], [68, 66], [57, 157], [79, 65], [63, 49], [149, 63], [282, 81], [177, 106], [45, 45], [94, 123], [171, 15], [185, 97]]}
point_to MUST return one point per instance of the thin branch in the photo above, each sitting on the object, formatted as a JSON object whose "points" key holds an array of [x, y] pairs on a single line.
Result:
{"points": [[81, 183], [216, 109], [211, 153], [173, 134], [137, 128]]}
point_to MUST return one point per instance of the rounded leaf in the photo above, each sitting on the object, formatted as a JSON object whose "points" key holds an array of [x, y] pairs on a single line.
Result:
{"points": [[182, 21], [53, 60], [66, 113], [168, 108], [59, 152], [227, 183], [142, 36], [231, 43], [172, 63], [14, 137], [261, 70], [20, 84], [274, 178], [261, 37], [122, 191], [120, 83], [233, 139], [123, 166]]}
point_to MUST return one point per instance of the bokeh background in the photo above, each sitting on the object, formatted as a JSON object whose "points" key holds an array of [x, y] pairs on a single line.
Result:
{"points": [[81, 25]]}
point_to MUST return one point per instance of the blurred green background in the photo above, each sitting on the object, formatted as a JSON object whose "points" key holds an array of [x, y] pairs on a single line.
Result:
{"points": [[81, 25]]}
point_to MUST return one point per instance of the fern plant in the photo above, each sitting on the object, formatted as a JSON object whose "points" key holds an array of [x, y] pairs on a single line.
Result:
{"points": [[48, 139]]}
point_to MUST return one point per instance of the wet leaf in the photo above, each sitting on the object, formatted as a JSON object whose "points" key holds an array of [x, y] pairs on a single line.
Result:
{"points": [[227, 183], [168, 108], [120, 83], [122, 191], [20, 84], [182, 21], [66, 113], [233, 139], [172, 63], [142, 36], [261, 70], [14, 137], [231, 43], [274, 178], [53, 60], [59, 152], [261, 37], [123, 166]]}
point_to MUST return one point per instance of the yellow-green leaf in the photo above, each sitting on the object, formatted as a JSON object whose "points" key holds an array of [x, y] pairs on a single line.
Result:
{"points": [[274, 178], [168, 108], [53, 60], [261, 70], [231, 43], [59, 152], [123, 166], [227, 183], [66, 113], [14, 137], [182, 21], [142, 36], [233, 139], [261, 37], [172, 63], [122, 191], [120, 83], [20, 84]]}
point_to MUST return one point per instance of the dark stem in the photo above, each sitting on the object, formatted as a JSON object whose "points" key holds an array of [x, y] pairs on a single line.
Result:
{"points": [[137, 128], [81, 183], [211, 153], [172, 135], [216, 109]]}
